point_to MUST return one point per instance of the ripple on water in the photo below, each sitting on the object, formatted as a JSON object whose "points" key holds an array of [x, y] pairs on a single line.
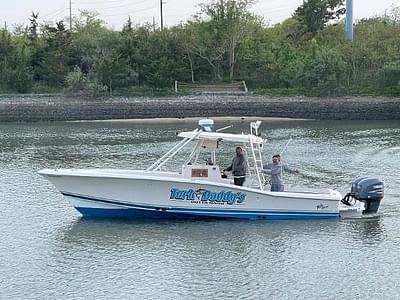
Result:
{"points": [[49, 252]]}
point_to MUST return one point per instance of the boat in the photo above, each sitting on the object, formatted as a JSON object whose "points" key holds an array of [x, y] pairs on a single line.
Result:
{"points": [[200, 189]]}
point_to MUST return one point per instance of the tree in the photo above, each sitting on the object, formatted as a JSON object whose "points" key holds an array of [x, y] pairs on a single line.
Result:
{"points": [[33, 27], [54, 55], [316, 14], [7, 53], [20, 77], [390, 75], [216, 40], [230, 18], [78, 83], [325, 71], [133, 42], [307, 52]]}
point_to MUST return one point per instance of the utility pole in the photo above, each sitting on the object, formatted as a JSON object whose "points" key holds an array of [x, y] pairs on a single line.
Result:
{"points": [[161, 14], [5, 25], [349, 20], [70, 15]]}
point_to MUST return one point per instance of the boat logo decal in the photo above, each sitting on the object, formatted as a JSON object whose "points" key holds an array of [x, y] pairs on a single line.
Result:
{"points": [[322, 206], [206, 196]]}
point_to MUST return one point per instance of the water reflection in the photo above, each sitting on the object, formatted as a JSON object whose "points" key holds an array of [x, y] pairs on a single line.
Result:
{"points": [[195, 233], [239, 240], [369, 229]]}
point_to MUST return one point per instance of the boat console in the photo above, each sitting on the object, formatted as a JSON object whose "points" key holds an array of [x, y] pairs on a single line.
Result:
{"points": [[205, 172]]}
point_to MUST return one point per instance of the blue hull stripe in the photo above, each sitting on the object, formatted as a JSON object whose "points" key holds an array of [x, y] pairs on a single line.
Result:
{"points": [[143, 211]]}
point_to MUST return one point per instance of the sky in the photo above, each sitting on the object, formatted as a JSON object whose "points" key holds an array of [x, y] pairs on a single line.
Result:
{"points": [[116, 12]]}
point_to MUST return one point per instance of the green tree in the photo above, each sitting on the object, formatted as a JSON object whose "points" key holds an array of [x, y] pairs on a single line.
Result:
{"points": [[78, 83], [316, 14], [223, 42], [217, 39], [33, 27], [54, 57], [325, 72], [7, 53], [21, 77]]}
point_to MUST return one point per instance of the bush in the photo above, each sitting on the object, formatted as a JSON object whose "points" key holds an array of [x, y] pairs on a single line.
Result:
{"points": [[20, 79], [78, 83]]}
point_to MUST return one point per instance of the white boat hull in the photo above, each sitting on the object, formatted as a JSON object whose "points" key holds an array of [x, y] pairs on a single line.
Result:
{"points": [[140, 194]]}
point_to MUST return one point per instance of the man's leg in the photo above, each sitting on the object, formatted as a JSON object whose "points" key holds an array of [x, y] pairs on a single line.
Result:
{"points": [[275, 187], [239, 181]]}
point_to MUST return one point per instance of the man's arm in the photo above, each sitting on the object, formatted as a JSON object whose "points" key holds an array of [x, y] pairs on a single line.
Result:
{"points": [[266, 171], [229, 168], [286, 168], [272, 170], [245, 167]]}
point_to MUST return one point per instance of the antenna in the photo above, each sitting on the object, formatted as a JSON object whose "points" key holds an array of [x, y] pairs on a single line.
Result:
{"points": [[254, 127], [224, 128]]}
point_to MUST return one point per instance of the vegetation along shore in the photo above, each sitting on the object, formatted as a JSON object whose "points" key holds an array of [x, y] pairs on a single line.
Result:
{"points": [[307, 54]]}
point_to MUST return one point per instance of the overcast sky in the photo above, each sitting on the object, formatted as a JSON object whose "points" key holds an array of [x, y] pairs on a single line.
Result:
{"points": [[115, 12]]}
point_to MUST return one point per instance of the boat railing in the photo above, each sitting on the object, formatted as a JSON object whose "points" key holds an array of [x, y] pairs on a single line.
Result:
{"points": [[172, 152]]}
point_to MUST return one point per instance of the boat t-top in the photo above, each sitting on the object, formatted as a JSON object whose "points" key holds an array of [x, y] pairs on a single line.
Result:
{"points": [[201, 190]]}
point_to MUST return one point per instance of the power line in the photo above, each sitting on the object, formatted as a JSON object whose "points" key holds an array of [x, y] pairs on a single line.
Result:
{"points": [[179, 15], [278, 8], [105, 5], [99, 2], [131, 12], [123, 5], [56, 12]]}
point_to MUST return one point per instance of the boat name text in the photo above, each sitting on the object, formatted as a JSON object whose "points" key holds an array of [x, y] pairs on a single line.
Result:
{"points": [[207, 196]]}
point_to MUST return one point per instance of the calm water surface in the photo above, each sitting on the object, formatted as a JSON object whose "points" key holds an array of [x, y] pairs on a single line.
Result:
{"points": [[47, 251]]}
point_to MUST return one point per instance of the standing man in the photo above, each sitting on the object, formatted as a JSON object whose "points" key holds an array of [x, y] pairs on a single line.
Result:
{"points": [[238, 167], [275, 170]]}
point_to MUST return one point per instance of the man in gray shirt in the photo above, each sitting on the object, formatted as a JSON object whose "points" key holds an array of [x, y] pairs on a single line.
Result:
{"points": [[275, 170], [238, 167]]}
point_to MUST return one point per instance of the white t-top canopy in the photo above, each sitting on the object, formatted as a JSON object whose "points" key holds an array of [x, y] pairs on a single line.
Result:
{"points": [[224, 137]]}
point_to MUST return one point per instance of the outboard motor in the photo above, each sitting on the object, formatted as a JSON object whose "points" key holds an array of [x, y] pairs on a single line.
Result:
{"points": [[368, 190]]}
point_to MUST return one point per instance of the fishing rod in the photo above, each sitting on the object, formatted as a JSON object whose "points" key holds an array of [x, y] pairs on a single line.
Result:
{"points": [[284, 148], [281, 157]]}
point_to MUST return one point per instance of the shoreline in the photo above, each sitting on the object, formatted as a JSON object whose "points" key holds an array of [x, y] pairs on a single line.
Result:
{"points": [[234, 119], [42, 108]]}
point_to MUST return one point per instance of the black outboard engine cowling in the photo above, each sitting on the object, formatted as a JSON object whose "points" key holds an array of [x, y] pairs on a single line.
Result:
{"points": [[368, 190]]}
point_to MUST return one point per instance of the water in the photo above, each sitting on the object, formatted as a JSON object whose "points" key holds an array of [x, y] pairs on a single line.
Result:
{"points": [[48, 251]]}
